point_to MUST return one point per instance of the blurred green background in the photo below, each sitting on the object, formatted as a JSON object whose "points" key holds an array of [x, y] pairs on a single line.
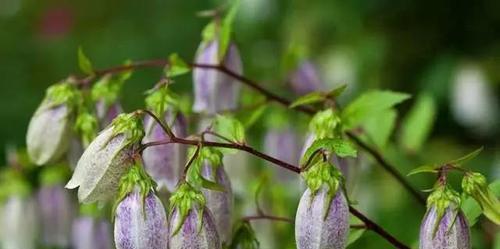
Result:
{"points": [[449, 50]]}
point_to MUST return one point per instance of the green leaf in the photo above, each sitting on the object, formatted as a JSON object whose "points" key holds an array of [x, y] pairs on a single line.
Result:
{"points": [[226, 28], [471, 210], [208, 33], [84, 62], [462, 160], [379, 128], [497, 241], [354, 234], [256, 114], [424, 169], [339, 147], [370, 104], [211, 185], [230, 127], [177, 66], [307, 99], [336, 91], [418, 123]]}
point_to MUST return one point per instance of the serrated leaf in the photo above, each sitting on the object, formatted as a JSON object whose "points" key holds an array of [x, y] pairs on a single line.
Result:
{"points": [[307, 99], [226, 28], [339, 147], [354, 234], [177, 66], [418, 123], [423, 169], [462, 160], [230, 127], [84, 62], [379, 128], [337, 91], [370, 104]]}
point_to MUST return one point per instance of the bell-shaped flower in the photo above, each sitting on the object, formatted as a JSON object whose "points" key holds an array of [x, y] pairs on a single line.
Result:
{"points": [[305, 78], [107, 158], [444, 225], [322, 220], [91, 233], [214, 90], [282, 143], [191, 223], [49, 129], [140, 218], [19, 223], [56, 215]]}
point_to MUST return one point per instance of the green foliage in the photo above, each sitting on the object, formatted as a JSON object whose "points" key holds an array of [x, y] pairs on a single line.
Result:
{"points": [[354, 234], [230, 128], [87, 126], [378, 129], [84, 62], [475, 185], [244, 237], [129, 124], [325, 124], [471, 207], [160, 99], [184, 199], [226, 29], [54, 174], [209, 157], [370, 104], [418, 123], [109, 86], [307, 99], [462, 160], [177, 66], [336, 146], [433, 168]]}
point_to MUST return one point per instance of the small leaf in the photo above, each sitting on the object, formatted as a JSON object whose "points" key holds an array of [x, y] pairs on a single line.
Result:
{"points": [[424, 169], [84, 62], [418, 123], [307, 99], [462, 160], [336, 146], [226, 29], [254, 116], [336, 91], [379, 128], [370, 104], [208, 33], [230, 127], [471, 210], [177, 66], [211, 185], [354, 234]]}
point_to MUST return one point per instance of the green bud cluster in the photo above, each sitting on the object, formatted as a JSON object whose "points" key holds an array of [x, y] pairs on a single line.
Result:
{"points": [[184, 199]]}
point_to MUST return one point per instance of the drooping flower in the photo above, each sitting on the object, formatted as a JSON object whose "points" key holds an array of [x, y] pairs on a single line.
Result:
{"points": [[91, 233], [213, 90], [140, 219], [322, 220], [444, 225], [191, 224], [105, 93], [49, 129], [282, 143], [107, 158], [305, 78], [56, 215], [19, 223]]}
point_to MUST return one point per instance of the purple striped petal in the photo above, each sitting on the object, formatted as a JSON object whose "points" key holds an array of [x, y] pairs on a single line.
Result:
{"points": [[315, 231], [282, 144], [140, 225], [164, 163], [219, 203], [56, 215], [452, 231], [106, 113], [189, 235], [215, 91], [305, 79]]}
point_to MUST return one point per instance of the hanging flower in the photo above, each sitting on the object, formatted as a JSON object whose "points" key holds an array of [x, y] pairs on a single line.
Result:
{"points": [[305, 78]]}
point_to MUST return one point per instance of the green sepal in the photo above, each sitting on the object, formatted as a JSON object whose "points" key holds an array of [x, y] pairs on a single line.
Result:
{"points": [[336, 146], [324, 174], [84, 62], [184, 199], [325, 124], [462, 160], [211, 156], [129, 124], [108, 88], [424, 169], [442, 198], [86, 126], [244, 237], [161, 98], [475, 185], [135, 178], [63, 93]]}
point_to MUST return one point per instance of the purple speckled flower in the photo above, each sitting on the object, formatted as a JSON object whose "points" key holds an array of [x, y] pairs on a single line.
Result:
{"points": [[192, 234], [215, 91], [219, 203], [305, 79], [165, 162], [452, 231], [140, 224], [56, 215], [282, 144], [90, 233], [315, 231], [106, 113]]}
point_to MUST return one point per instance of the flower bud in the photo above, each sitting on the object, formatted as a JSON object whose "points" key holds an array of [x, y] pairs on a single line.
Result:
{"points": [[444, 225], [165, 162], [49, 129], [140, 223], [56, 215], [322, 219], [215, 91], [103, 163], [220, 203], [106, 113], [19, 223], [90, 233], [475, 185], [105, 94], [305, 79], [191, 223]]}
